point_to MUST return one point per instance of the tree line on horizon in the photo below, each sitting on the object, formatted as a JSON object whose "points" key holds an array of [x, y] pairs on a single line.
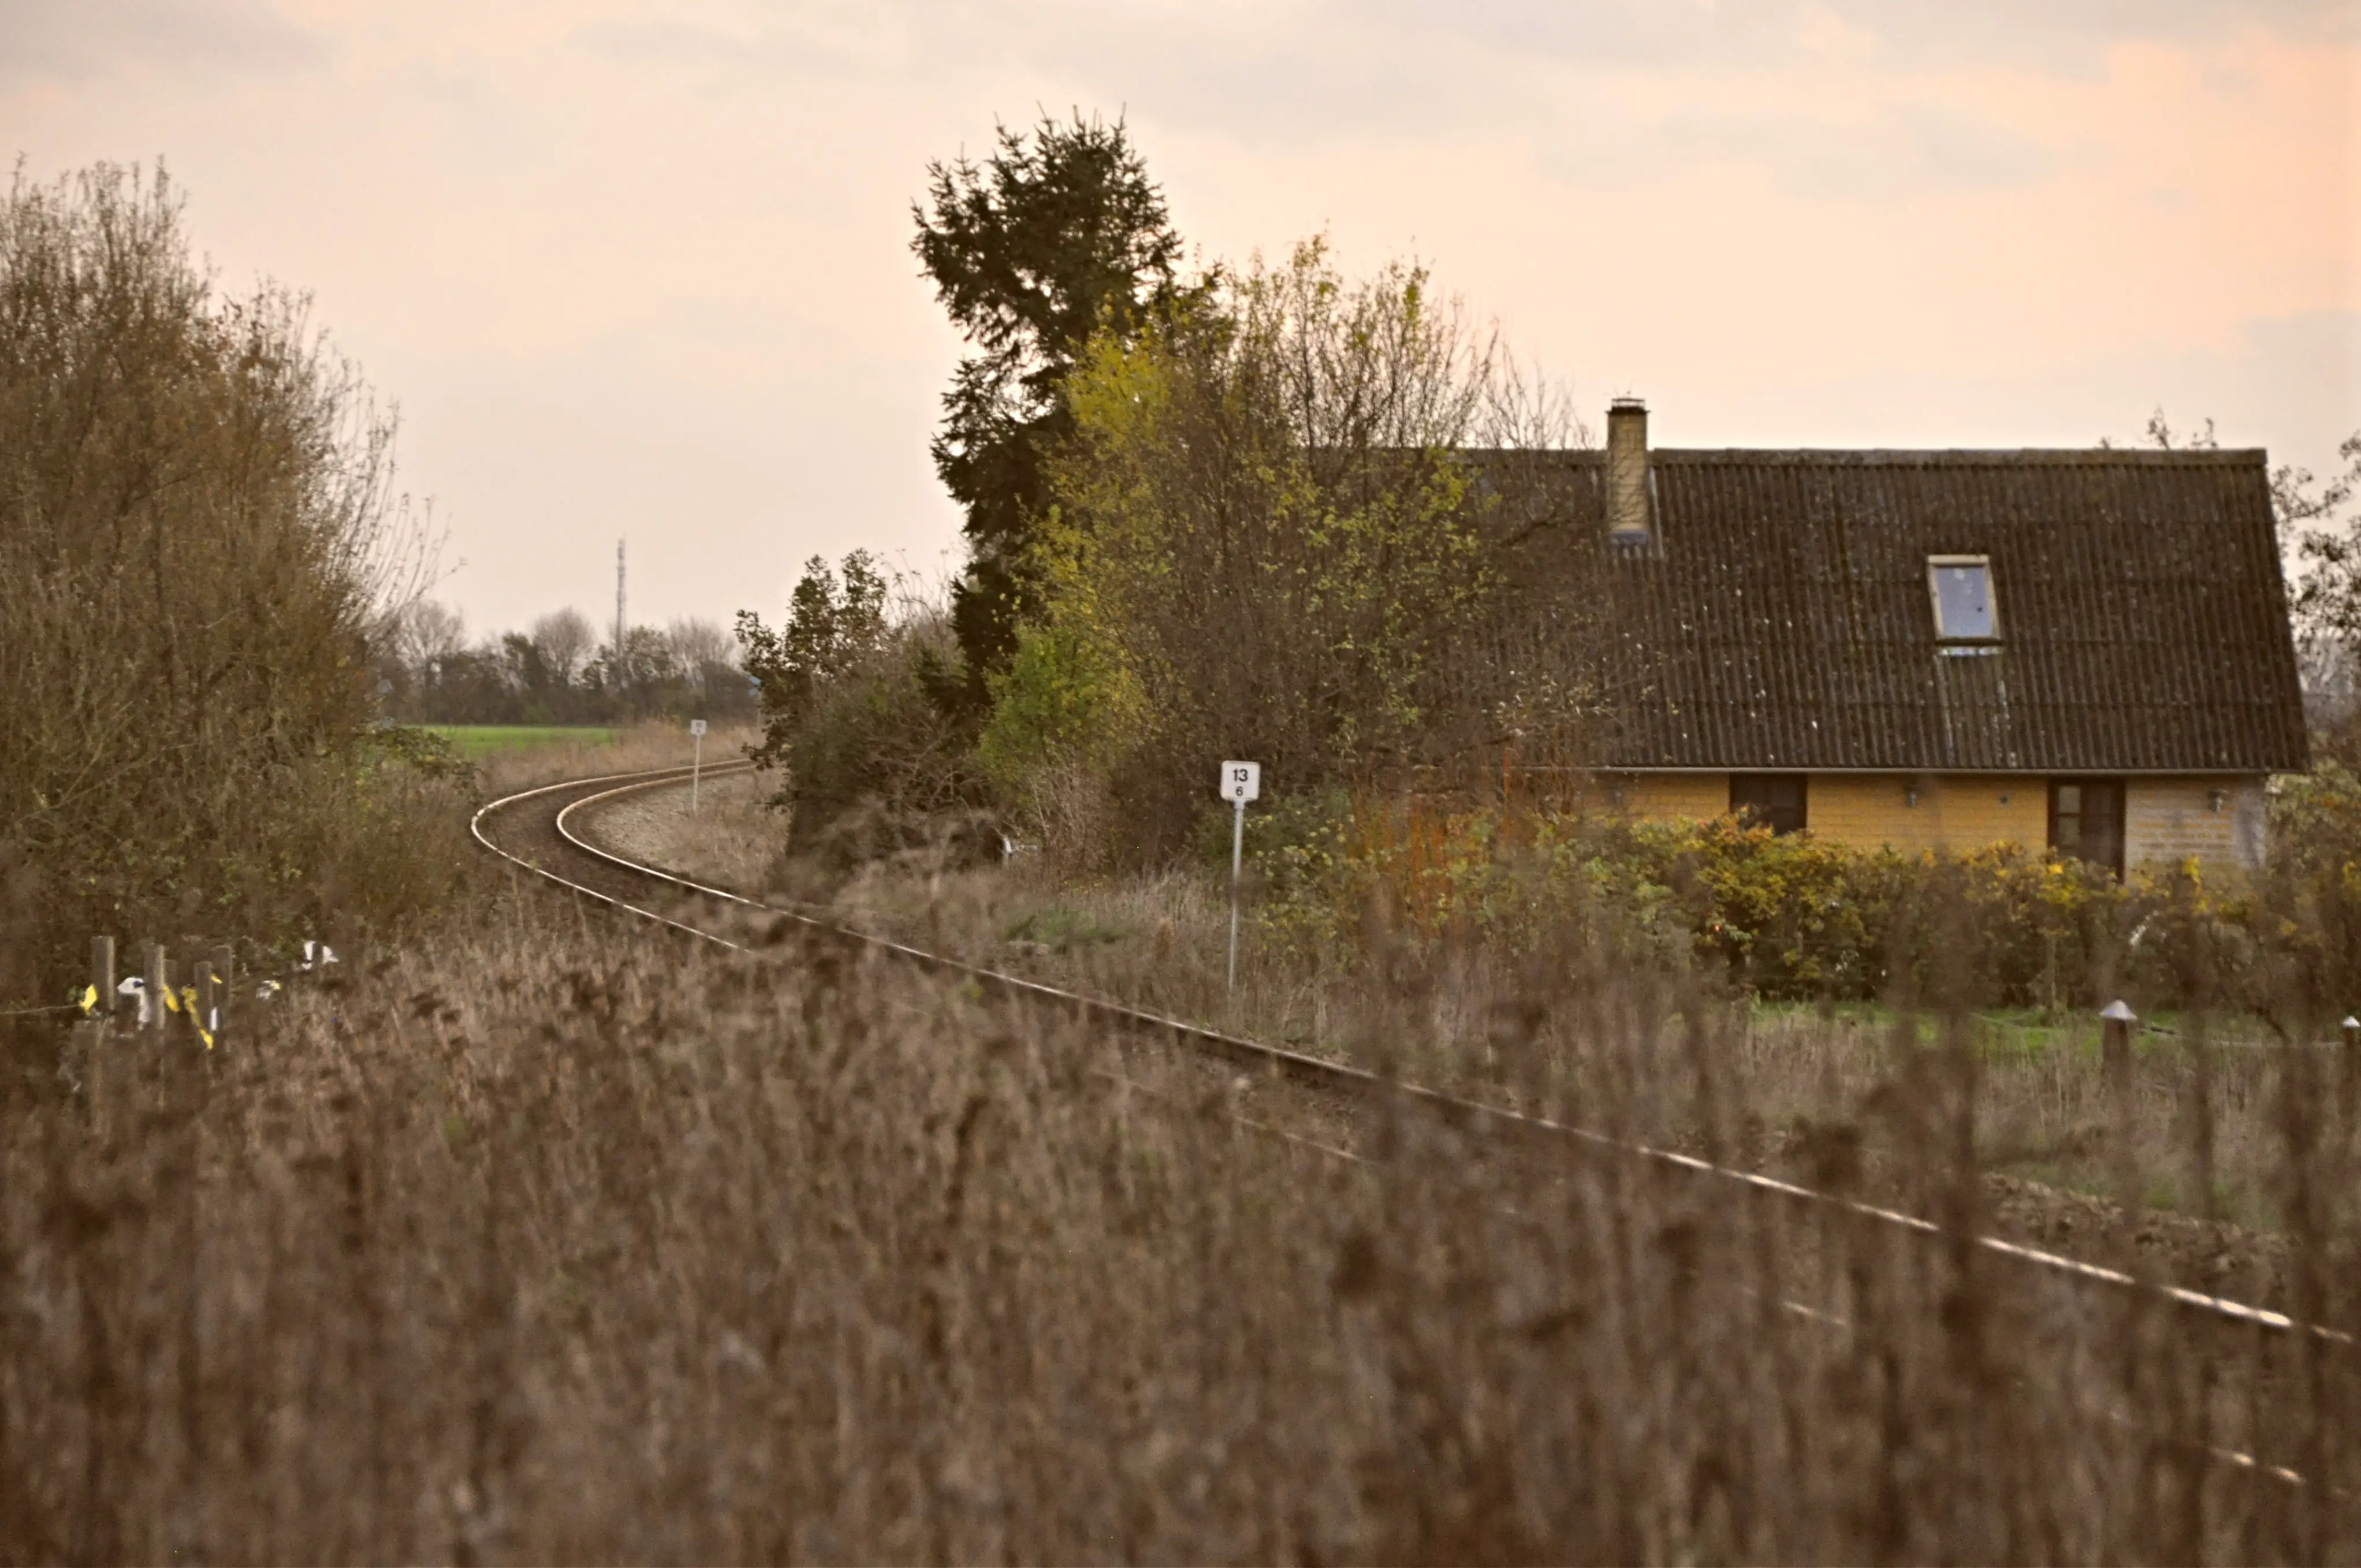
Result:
{"points": [[557, 671]]}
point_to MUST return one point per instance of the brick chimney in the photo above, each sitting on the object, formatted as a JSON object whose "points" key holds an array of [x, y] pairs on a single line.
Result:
{"points": [[1630, 519]]}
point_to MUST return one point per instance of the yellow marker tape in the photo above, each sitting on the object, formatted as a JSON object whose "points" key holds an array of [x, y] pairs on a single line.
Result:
{"points": [[89, 1000], [171, 999], [188, 998]]}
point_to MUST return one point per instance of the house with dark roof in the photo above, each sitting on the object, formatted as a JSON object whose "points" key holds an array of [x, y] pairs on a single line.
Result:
{"points": [[2084, 651]]}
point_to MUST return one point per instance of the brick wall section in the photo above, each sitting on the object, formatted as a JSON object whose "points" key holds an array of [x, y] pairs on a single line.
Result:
{"points": [[1963, 812], [1956, 812], [1664, 798], [2167, 821]]}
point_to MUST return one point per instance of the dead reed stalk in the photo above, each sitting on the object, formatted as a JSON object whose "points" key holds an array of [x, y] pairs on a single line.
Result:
{"points": [[556, 1244]]}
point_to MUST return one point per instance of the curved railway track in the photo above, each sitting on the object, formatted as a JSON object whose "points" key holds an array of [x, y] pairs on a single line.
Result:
{"points": [[538, 830], [535, 829]]}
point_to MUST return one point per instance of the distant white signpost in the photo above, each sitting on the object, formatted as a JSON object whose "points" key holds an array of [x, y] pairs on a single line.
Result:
{"points": [[1241, 782], [697, 761]]}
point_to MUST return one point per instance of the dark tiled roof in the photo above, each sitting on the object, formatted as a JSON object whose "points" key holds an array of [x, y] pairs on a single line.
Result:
{"points": [[1782, 620]]}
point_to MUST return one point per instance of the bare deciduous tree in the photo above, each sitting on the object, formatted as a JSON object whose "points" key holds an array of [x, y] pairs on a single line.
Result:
{"points": [[428, 632], [565, 641], [702, 652]]}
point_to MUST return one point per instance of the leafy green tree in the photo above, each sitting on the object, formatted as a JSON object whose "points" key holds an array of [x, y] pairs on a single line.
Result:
{"points": [[1269, 541], [1057, 233], [833, 623]]}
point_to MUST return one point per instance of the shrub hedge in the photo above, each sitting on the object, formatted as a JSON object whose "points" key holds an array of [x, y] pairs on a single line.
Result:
{"points": [[1795, 916], [200, 545]]}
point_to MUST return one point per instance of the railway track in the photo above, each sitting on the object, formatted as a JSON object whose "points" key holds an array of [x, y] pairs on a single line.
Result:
{"points": [[539, 830], [542, 832]]}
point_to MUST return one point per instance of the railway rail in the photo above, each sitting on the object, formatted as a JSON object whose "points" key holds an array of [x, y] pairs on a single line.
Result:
{"points": [[536, 830], [536, 825]]}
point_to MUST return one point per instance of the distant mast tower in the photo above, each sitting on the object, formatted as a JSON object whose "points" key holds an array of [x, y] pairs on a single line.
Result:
{"points": [[619, 613]]}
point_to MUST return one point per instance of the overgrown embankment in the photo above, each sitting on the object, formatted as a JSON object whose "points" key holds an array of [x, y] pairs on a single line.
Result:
{"points": [[199, 536], [1794, 918], [558, 1244]]}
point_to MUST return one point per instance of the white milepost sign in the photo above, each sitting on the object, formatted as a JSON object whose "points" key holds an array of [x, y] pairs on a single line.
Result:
{"points": [[696, 761], [1241, 782], [696, 727]]}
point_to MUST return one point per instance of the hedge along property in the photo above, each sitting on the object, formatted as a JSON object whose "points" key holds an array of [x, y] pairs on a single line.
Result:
{"points": [[1940, 650]]}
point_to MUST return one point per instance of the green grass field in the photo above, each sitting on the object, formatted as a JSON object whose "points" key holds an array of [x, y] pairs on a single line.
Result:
{"points": [[476, 741], [2031, 1033]]}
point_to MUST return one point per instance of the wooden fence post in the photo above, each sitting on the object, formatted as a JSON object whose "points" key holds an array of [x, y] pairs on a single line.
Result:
{"points": [[102, 976], [203, 1003], [90, 1034], [225, 987], [2115, 1048], [2117, 1024], [2349, 1077], [87, 1046], [157, 983]]}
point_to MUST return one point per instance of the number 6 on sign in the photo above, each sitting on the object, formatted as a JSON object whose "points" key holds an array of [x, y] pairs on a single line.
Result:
{"points": [[1241, 780]]}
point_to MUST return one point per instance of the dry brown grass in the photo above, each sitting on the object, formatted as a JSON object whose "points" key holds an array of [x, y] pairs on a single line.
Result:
{"points": [[560, 1243], [2046, 1128], [656, 744], [1160, 942], [731, 841]]}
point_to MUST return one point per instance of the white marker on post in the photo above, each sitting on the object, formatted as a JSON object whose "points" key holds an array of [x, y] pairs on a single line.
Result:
{"points": [[1241, 782], [696, 761]]}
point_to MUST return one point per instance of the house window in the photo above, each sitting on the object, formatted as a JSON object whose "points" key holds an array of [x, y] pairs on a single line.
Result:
{"points": [[1774, 800], [2086, 820], [1962, 588]]}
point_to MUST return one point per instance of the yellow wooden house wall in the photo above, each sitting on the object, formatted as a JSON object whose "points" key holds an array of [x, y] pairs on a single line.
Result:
{"points": [[2166, 820]]}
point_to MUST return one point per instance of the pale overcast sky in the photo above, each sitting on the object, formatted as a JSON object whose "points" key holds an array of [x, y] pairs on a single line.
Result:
{"points": [[643, 268]]}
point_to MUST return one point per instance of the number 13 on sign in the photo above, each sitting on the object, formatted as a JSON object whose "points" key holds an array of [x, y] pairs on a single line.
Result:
{"points": [[1241, 782]]}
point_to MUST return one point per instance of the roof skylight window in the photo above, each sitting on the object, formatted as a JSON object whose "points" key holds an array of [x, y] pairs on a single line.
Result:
{"points": [[1965, 610]]}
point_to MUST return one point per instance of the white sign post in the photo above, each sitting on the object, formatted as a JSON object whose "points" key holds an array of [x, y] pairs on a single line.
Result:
{"points": [[1241, 782], [697, 761]]}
